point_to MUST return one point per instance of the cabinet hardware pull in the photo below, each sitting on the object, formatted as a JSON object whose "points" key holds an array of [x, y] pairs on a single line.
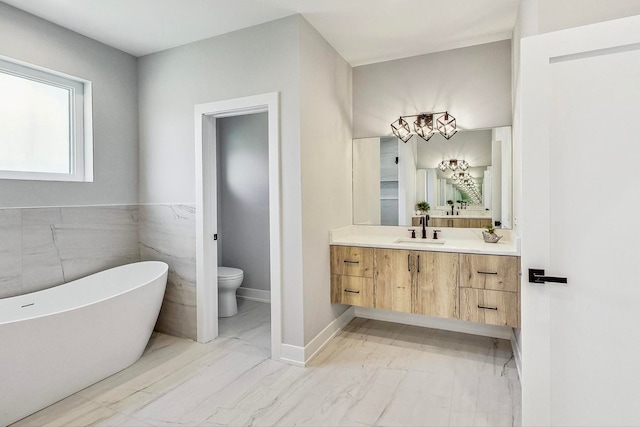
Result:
{"points": [[487, 308], [418, 263], [351, 291], [409, 262], [351, 262], [487, 272]]}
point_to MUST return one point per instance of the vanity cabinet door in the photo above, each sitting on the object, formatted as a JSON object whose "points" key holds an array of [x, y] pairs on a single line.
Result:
{"points": [[479, 222], [461, 222], [439, 222], [491, 307], [393, 279], [499, 273], [436, 284], [352, 261]]}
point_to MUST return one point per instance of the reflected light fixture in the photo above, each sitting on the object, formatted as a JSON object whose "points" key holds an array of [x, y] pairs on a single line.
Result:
{"points": [[466, 184], [423, 126], [453, 165]]}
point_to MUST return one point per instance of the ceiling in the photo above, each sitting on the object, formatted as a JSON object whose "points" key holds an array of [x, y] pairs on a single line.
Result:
{"points": [[474, 146], [362, 31]]}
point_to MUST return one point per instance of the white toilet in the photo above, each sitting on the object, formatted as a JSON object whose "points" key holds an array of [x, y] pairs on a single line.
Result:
{"points": [[229, 280]]}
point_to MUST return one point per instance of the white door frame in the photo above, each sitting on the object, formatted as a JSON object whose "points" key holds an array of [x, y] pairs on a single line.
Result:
{"points": [[206, 211]]}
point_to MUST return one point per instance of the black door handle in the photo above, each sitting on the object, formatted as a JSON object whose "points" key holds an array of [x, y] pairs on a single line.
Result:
{"points": [[537, 276]]}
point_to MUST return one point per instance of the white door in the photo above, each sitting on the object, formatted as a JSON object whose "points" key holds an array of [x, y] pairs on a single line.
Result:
{"points": [[580, 219]]}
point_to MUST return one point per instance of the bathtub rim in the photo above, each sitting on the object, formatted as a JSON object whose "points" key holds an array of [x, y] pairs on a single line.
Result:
{"points": [[165, 271]]}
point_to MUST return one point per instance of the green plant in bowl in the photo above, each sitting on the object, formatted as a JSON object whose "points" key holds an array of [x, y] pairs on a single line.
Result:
{"points": [[423, 207], [489, 235]]}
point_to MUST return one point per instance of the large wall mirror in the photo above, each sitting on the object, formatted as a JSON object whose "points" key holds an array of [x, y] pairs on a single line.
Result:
{"points": [[466, 180]]}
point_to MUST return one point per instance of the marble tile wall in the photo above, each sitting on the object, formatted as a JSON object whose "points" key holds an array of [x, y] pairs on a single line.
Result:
{"points": [[45, 247], [168, 233]]}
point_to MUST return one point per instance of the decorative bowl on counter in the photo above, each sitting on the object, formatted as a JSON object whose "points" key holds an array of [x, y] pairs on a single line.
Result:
{"points": [[491, 237]]}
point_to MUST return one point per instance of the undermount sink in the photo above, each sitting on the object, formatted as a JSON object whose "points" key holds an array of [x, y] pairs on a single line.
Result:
{"points": [[421, 241]]}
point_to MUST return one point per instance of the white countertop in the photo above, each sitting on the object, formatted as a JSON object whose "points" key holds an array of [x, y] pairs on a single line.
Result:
{"points": [[465, 240]]}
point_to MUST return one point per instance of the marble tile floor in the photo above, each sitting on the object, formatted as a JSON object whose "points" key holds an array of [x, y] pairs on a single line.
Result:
{"points": [[252, 324], [371, 373]]}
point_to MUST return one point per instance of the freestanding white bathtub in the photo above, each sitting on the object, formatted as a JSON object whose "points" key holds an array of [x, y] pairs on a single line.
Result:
{"points": [[58, 341]]}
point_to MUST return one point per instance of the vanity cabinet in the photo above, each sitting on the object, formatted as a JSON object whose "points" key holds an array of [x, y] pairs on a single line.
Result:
{"points": [[490, 289], [460, 222], [352, 275], [472, 287]]}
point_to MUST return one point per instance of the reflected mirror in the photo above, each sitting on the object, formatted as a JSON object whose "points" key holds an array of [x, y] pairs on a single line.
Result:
{"points": [[465, 180]]}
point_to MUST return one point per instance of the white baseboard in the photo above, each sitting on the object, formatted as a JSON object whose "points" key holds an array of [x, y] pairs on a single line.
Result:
{"points": [[254, 294], [292, 354], [517, 352], [454, 325], [301, 356], [320, 340]]}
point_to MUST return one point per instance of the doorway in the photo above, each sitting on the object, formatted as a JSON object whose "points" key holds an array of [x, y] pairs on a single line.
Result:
{"points": [[207, 118], [242, 178]]}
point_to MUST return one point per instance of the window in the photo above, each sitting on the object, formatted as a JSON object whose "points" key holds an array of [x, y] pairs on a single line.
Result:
{"points": [[45, 125]]}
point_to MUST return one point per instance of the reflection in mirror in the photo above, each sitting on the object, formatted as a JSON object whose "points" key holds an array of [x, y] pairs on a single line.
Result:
{"points": [[465, 180]]}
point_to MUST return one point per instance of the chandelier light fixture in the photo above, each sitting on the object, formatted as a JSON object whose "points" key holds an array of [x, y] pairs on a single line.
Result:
{"points": [[453, 165], [465, 183], [423, 126]]}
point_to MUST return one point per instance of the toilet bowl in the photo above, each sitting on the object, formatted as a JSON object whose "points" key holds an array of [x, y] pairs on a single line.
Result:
{"points": [[229, 280]]}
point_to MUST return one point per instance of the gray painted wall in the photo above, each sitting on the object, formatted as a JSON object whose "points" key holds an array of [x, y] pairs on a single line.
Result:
{"points": [[115, 111], [243, 197], [289, 57], [256, 60], [325, 156], [473, 83]]}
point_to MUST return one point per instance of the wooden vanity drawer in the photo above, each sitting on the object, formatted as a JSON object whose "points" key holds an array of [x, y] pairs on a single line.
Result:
{"points": [[494, 272], [352, 290], [352, 261], [490, 307]]}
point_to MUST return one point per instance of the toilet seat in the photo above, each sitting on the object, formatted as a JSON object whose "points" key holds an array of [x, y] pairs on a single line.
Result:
{"points": [[229, 273]]}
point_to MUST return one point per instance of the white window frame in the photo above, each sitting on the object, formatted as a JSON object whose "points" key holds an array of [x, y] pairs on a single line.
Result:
{"points": [[81, 126]]}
